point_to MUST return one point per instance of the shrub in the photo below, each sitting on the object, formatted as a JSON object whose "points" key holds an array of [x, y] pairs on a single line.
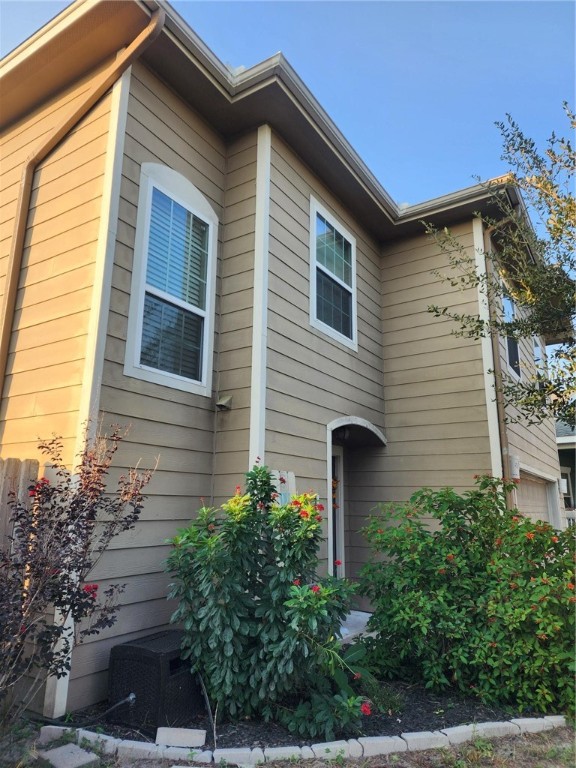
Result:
{"points": [[484, 601], [60, 531], [260, 627]]}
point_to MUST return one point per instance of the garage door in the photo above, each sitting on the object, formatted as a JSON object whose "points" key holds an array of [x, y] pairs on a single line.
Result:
{"points": [[532, 496]]}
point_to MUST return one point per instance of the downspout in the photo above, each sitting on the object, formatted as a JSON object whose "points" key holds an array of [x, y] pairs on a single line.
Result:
{"points": [[105, 82]]}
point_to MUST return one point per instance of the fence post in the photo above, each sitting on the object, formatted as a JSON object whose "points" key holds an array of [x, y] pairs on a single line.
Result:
{"points": [[15, 477]]}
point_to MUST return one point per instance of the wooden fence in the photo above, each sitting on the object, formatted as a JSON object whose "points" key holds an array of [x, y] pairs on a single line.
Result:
{"points": [[16, 476]]}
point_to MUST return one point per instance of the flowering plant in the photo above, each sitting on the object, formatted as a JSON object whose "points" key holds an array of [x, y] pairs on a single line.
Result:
{"points": [[60, 531], [484, 601], [260, 627]]}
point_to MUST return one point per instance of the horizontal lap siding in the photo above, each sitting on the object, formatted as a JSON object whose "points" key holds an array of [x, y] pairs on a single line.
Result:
{"points": [[535, 445], [173, 427], [435, 402], [47, 351], [436, 417], [236, 302], [312, 379]]}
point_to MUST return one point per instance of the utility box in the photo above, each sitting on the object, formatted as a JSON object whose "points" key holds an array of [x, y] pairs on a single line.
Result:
{"points": [[167, 694]]}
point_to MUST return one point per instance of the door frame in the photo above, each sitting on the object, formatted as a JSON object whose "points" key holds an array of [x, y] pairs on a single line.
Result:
{"points": [[336, 531]]}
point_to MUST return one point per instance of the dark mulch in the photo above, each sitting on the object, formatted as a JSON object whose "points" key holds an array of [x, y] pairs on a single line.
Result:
{"points": [[410, 708]]}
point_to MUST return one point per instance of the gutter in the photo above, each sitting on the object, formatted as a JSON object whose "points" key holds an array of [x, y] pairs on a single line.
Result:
{"points": [[106, 80]]}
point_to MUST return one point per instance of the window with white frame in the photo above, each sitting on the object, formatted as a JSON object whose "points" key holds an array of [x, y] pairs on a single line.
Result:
{"points": [[512, 346], [332, 277], [170, 325]]}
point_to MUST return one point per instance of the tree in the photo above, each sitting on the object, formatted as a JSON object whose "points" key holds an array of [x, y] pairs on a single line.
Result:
{"points": [[533, 265]]}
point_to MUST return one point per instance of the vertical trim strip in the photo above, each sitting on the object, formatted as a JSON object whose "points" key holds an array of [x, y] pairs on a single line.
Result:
{"points": [[56, 693], [105, 251], [260, 299], [487, 354]]}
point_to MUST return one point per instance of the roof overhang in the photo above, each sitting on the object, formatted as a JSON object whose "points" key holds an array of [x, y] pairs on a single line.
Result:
{"points": [[91, 31]]}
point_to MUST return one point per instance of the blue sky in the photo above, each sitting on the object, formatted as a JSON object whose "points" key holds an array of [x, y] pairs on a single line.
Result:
{"points": [[414, 86]]}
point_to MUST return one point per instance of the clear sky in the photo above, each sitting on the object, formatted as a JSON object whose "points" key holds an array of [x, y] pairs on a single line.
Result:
{"points": [[414, 86]]}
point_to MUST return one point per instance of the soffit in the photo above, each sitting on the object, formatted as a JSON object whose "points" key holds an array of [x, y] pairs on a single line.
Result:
{"points": [[49, 63]]}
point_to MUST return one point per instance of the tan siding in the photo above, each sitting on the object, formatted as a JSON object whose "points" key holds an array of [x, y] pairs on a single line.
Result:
{"points": [[170, 426], [46, 361], [236, 301], [312, 379], [435, 404], [434, 382], [534, 446]]}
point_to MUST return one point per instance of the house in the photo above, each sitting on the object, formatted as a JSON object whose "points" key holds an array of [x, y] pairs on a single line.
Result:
{"points": [[201, 254], [566, 442]]}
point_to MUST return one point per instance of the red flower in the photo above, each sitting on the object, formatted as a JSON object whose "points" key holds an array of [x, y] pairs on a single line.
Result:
{"points": [[555, 539], [450, 558], [320, 507], [282, 480], [237, 490], [304, 514], [380, 530], [315, 588], [442, 570], [530, 535], [365, 708], [319, 518], [337, 562], [357, 676], [296, 582], [91, 590], [296, 503], [569, 585]]}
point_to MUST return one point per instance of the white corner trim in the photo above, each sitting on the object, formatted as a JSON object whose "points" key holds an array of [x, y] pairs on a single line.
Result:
{"points": [[104, 263], [487, 355], [257, 447], [56, 694], [329, 499]]}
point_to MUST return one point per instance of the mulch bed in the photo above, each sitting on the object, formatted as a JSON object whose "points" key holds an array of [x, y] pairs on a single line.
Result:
{"points": [[417, 710]]}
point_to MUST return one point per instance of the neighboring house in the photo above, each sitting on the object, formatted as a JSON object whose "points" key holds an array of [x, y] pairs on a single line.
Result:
{"points": [[201, 254], [566, 442]]}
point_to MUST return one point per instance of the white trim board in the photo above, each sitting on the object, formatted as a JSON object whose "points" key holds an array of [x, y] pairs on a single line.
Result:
{"points": [[257, 443]]}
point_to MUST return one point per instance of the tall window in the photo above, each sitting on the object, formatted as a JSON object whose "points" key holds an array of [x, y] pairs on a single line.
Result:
{"points": [[171, 305], [512, 345], [333, 277]]}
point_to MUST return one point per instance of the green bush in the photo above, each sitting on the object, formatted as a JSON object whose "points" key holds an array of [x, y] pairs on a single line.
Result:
{"points": [[471, 594], [260, 627]]}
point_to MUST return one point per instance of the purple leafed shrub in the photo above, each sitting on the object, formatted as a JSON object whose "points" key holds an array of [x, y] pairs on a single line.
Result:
{"points": [[47, 601]]}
